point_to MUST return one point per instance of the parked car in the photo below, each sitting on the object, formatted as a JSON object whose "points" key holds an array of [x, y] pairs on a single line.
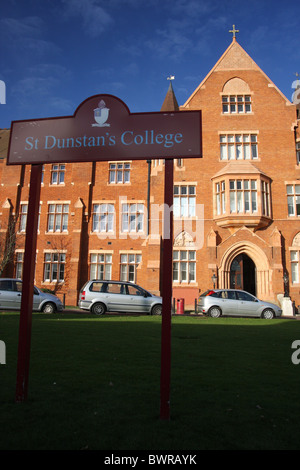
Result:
{"points": [[219, 302], [11, 295], [117, 296]]}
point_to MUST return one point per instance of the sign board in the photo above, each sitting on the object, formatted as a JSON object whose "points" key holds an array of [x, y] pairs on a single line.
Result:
{"points": [[101, 129]]}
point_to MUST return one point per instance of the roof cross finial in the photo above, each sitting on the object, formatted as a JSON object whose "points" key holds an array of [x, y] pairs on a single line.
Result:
{"points": [[233, 31]]}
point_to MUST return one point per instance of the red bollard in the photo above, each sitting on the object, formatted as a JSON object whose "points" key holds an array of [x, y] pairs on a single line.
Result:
{"points": [[180, 306]]}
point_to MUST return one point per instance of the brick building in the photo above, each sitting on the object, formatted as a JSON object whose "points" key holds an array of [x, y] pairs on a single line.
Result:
{"points": [[236, 210]]}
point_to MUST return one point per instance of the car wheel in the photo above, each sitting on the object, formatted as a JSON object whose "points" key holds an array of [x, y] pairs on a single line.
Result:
{"points": [[98, 309], [156, 310], [49, 307], [214, 312], [268, 314]]}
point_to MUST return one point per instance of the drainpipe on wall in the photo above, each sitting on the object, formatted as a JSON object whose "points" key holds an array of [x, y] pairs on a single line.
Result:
{"points": [[148, 196]]}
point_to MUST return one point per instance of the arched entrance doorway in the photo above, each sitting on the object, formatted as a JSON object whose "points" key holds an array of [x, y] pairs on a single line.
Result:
{"points": [[261, 276], [243, 274]]}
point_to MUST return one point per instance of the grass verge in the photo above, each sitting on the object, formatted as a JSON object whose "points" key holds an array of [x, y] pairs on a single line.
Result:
{"points": [[95, 384]]}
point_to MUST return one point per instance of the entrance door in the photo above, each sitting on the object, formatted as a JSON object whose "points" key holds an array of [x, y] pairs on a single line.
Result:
{"points": [[243, 274]]}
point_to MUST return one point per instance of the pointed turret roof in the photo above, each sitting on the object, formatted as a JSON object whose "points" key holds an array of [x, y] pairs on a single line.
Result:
{"points": [[170, 102], [234, 58]]}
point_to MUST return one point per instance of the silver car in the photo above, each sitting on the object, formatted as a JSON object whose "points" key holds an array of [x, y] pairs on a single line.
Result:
{"points": [[117, 296], [11, 295], [219, 302]]}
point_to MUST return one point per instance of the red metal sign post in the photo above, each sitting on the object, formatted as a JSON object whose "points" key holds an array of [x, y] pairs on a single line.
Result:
{"points": [[28, 283], [102, 129], [167, 261]]}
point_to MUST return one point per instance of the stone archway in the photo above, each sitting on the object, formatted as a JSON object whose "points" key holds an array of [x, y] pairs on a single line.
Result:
{"points": [[263, 286]]}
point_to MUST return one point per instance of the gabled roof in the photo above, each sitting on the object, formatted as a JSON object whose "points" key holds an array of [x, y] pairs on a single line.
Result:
{"points": [[170, 102], [235, 58]]}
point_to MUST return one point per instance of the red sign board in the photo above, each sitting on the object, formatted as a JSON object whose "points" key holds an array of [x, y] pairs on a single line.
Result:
{"points": [[102, 129]]}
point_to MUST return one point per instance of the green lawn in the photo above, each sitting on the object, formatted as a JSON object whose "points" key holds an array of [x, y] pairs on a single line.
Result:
{"points": [[95, 384]]}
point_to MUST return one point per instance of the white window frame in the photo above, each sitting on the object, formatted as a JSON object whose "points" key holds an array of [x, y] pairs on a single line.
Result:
{"points": [[129, 263], [293, 199], [241, 146], [103, 219], [184, 266], [184, 200], [132, 217], [101, 266], [54, 266], [243, 196], [58, 219], [295, 266], [119, 173], [237, 104], [58, 174]]}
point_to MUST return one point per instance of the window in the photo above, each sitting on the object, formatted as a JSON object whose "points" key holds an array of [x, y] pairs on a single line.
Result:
{"points": [[19, 264], [54, 266], [133, 290], [238, 147], [129, 265], [220, 197], [103, 217], [184, 266], [245, 296], [243, 196], [132, 217], [265, 198], [23, 217], [119, 173], [101, 266], [6, 285], [236, 104], [298, 152], [184, 201], [58, 215], [293, 199], [295, 267], [43, 173], [58, 174]]}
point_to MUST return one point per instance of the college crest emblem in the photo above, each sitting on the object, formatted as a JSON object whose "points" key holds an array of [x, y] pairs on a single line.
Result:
{"points": [[101, 115]]}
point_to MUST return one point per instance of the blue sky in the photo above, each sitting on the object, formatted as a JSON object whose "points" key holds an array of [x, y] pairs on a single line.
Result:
{"points": [[56, 53]]}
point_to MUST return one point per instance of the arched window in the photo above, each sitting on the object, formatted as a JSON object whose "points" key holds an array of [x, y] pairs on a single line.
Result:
{"points": [[236, 97]]}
